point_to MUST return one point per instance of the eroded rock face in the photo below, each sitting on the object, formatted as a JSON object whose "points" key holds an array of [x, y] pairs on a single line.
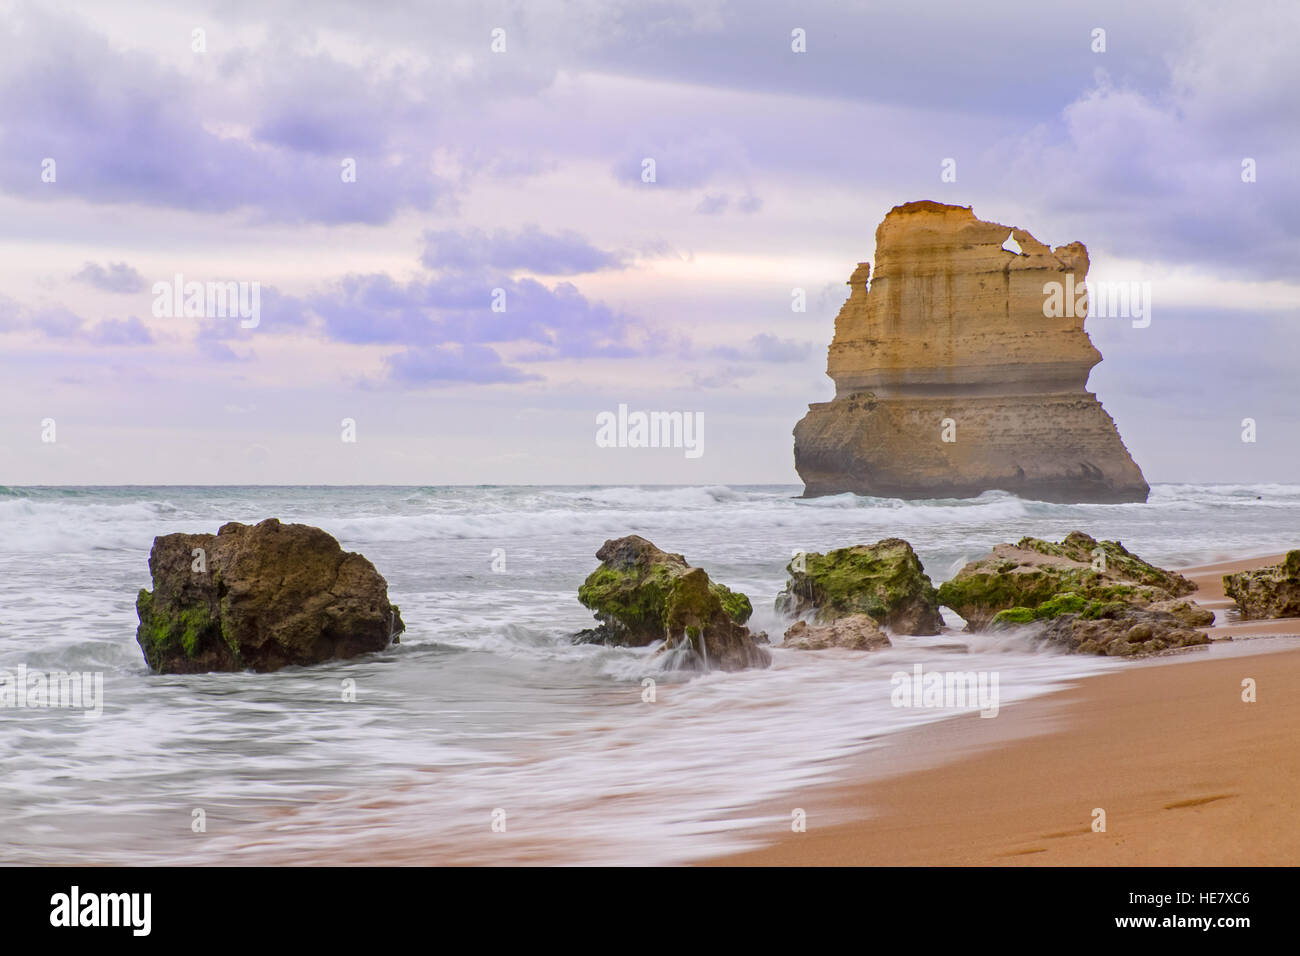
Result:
{"points": [[884, 580], [260, 597], [1035, 579], [1267, 592], [950, 340], [856, 632], [641, 594]]}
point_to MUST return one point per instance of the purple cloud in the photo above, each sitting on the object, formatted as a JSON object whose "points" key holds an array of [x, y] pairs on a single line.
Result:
{"points": [[130, 331], [123, 129], [713, 204], [458, 309], [529, 249], [766, 347], [56, 322], [769, 348], [278, 314], [452, 364], [219, 351], [10, 314], [118, 277]]}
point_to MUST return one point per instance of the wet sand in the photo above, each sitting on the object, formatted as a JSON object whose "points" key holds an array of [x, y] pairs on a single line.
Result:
{"points": [[1186, 772]]}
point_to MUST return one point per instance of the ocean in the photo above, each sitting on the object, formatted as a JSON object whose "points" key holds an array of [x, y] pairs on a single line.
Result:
{"points": [[486, 735]]}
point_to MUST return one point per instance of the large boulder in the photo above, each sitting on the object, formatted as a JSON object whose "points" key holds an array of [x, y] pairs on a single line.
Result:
{"points": [[260, 597], [1032, 572], [641, 594], [857, 632], [1267, 592], [884, 580]]}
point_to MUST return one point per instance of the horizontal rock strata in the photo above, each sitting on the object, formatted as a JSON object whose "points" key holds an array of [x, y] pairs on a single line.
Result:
{"points": [[950, 341]]}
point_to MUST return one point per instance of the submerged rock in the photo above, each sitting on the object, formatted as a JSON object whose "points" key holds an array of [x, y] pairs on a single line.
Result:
{"points": [[1119, 630], [956, 372], [1036, 579], [858, 632], [1267, 592], [884, 580], [641, 594], [260, 597]]}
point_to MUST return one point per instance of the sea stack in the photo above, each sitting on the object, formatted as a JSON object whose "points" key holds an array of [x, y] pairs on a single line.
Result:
{"points": [[952, 377]]}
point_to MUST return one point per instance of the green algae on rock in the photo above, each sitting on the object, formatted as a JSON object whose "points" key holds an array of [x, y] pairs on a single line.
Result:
{"points": [[1268, 592], [1033, 573], [259, 598], [884, 580], [641, 594]]}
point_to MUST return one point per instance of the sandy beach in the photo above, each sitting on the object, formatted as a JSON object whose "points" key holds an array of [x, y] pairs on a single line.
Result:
{"points": [[1185, 770]]}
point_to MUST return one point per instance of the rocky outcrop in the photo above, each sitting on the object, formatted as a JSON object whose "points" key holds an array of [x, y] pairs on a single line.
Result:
{"points": [[1187, 613], [641, 594], [260, 597], [856, 632], [1119, 630], [950, 380], [1267, 592], [884, 580], [1035, 579]]}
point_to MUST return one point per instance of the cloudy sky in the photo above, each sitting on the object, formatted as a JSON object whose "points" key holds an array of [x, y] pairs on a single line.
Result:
{"points": [[521, 171]]}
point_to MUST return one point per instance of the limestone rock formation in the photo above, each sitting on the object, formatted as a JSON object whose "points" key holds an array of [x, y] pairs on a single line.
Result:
{"points": [[856, 632], [641, 594], [1267, 592], [260, 597], [1035, 579], [884, 580], [950, 341]]}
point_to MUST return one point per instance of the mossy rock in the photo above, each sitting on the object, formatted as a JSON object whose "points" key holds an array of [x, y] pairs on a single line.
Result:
{"points": [[641, 594], [1268, 592], [1067, 603], [1033, 573], [1013, 616], [262, 597], [1291, 564], [186, 632], [884, 581]]}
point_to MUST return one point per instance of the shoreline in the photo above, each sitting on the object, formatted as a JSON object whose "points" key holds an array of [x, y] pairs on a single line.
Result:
{"points": [[1186, 772]]}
